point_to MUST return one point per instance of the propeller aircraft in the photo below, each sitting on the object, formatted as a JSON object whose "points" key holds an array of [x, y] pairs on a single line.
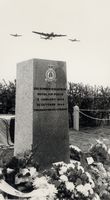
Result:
{"points": [[74, 40], [48, 36], [16, 35]]}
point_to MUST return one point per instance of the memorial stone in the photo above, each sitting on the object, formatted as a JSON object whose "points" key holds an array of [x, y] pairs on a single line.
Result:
{"points": [[41, 121]]}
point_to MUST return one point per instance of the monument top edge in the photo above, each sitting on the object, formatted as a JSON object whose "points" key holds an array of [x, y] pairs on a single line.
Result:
{"points": [[40, 59]]}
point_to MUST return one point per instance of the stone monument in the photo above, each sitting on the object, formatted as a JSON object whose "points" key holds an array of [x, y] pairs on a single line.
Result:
{"points": [[41, 122]]}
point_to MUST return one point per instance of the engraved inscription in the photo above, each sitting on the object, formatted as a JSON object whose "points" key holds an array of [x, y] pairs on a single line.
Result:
{"points": [[50, 99]]}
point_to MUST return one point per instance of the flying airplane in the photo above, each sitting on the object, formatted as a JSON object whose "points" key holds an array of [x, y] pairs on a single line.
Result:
{"points": [[74, 40], [16, 35], [48, 36]]}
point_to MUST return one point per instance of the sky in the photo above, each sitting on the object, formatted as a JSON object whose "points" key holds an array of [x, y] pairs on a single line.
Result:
{"points": [[87, 61]]}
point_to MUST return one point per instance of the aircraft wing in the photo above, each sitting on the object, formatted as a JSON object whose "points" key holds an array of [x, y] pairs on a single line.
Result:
{"points": [[58, 35], [40, 33], [12, 34]]}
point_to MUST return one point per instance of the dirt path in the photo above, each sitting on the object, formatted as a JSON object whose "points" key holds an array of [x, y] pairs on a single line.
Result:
{"points": [[88, 136]]}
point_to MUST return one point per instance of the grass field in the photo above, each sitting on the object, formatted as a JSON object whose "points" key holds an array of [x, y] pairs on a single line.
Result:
{"points": [[83, 139], [88, 136]]}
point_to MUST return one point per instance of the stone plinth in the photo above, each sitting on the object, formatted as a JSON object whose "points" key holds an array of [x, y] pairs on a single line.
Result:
{"points": [[42, 111]]}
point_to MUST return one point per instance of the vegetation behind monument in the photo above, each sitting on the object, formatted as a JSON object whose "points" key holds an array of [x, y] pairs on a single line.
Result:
{"points": [[7, 97], [85, 96]]}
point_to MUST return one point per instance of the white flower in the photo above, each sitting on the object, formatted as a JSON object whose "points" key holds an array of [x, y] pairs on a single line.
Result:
{"points": [[102, 170], [81, 189], [9, 170], [63, 178], [74, 162], [21, 180], [70, 165], [32, 171], [63, 170], [102, 144], [75, 148], [24, 171], [44, 190], [59, 163], [70, 186], [85, 189], [40, 182], [80, 167], [88, 187], [44, 193], [90, 179], [95, 169], [96, 197]]}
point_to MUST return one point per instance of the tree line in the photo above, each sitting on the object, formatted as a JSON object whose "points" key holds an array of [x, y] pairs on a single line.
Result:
{"points": [[7, 97], [85, 96], [95, 98]]}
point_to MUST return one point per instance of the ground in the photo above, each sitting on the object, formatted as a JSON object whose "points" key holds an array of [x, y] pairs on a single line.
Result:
{"points": [[83, 139], [88, 136]]}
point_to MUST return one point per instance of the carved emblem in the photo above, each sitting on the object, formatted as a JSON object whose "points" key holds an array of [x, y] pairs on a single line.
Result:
{"points": [[50, 74]]}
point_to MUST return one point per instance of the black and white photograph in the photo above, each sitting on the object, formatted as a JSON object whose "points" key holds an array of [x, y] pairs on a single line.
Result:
{"points": [[55, 100]]}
